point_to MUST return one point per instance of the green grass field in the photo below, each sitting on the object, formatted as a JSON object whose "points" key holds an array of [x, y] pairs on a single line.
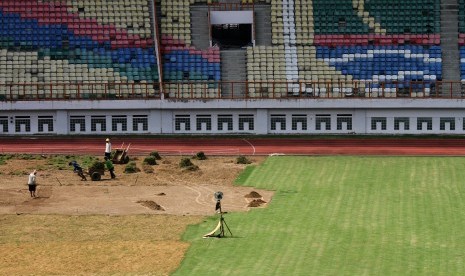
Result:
{"points": [[342, 216]]}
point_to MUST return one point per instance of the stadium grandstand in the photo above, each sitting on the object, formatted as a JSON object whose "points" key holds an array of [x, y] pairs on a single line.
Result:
{"points": [[74, 67]]}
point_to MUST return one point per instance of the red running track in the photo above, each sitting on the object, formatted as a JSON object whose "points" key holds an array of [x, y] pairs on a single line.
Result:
{"points": [[237, 146]]}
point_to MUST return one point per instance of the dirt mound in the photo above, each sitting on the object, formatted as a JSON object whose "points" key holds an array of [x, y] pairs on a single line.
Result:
{"points": [[253, 194], [151, 204], [256, 203]]}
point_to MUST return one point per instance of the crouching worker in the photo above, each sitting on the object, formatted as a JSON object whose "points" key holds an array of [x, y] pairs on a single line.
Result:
{"points": [[110, 167], [78, 170]]}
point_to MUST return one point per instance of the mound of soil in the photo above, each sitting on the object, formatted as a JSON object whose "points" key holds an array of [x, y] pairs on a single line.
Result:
{"points": [[256, 203], [151, 204], [253, 194]]}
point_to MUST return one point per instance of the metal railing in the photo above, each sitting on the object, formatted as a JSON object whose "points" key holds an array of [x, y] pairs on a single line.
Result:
{"points": [[82, 91], [313, 89], [232, 90], [243, 5]]}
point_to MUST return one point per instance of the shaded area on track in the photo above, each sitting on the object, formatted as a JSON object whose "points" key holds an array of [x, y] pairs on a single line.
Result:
{"points": [[239, 146]]}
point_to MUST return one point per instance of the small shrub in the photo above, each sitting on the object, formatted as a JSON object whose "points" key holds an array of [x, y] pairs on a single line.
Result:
{"points": [[150, 160], [242, 160], [186, 164], [131, 167], [156, 155], [200, 156]]}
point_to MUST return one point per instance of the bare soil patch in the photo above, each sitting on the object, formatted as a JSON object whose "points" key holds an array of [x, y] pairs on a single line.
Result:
{"points": [[130, 225], [177, 191]]}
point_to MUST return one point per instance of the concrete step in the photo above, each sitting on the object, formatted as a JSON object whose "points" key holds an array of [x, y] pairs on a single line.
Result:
{"points": [[233, 68], [263, 25], [449, 40], [199, 26]]}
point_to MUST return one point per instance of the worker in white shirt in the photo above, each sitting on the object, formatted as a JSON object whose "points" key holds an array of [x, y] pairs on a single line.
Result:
{"points": [[108, 148], [31, 183]]}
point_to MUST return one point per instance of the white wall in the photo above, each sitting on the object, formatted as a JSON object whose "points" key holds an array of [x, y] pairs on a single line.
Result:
{"points": [[231, 17], [161, 114]]}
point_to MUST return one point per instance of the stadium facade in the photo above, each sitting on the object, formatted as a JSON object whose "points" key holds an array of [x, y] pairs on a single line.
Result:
{"points": [[207, 67]]}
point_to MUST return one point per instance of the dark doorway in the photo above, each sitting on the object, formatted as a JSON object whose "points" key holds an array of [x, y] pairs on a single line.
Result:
{"points": [[232, 35]]}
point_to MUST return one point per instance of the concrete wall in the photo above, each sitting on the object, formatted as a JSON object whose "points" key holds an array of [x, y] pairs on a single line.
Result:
{"points": [[307, 116]]}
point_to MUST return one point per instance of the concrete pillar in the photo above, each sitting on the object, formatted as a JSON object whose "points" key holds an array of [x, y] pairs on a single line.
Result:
{"points": [[61, 122], [359, 119], [165, 121], [261, 121]]}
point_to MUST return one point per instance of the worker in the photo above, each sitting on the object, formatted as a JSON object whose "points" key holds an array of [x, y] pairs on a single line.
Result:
{"points": [[108, 148], [110, 167], [32, 184], [78, 170]]}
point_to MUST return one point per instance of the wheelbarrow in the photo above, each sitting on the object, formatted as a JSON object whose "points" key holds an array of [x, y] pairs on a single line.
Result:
{"points": [[121, 155], [96, 174]]}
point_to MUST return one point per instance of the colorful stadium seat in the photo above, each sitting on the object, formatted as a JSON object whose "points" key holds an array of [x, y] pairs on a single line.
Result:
{"points": [[181, 61], [384, 42], [319, 47], [77, 42]]}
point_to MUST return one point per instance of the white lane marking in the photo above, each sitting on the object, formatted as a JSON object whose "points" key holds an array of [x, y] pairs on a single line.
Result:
{"points": [[199, 195], [250, 145]]}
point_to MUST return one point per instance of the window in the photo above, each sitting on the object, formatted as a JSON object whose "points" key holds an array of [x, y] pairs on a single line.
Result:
{"points": [[398, 121], [424, 121], [204, 120], [182, 120], [378, 121], [140, 121], [278, 120], [119, 120], [323, 120], [344, 119], [98, 121], [77, 120], [4, 123], [299, 119], [45, 121], [225, 120], [22, 124], [447, 121], [246, 120]]}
